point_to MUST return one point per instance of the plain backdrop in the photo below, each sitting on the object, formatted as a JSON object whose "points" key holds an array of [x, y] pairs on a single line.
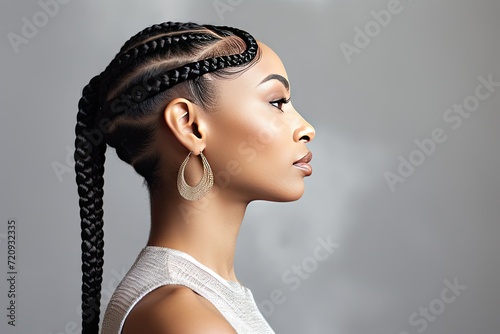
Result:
{"points": [[405, 185]]}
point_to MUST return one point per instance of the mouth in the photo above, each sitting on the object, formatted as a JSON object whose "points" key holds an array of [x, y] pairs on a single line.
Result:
{"points": [[303, 163]]}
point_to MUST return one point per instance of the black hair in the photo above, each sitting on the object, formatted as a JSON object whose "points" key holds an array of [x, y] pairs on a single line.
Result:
{"points": [[121, 108]]}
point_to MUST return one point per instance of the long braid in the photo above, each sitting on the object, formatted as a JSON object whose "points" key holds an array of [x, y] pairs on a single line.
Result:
{"points": [[89, 168], [131, 138]]}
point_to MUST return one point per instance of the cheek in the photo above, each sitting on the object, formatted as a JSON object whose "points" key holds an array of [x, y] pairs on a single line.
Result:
{"points": [[262, 145], [249, 134]]}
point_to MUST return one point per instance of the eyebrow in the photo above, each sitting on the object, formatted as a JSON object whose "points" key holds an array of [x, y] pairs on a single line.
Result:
{"points": [[277, 77]]}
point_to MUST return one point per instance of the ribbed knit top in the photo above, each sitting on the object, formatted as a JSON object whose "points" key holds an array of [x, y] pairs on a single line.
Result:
{"points": [[159, 266]]}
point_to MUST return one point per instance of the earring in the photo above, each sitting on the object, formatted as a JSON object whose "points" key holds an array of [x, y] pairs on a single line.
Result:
{"points": [[202, 188]]}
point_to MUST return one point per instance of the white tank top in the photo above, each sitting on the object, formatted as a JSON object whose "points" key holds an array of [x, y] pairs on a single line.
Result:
{"points": [[159, 266]]}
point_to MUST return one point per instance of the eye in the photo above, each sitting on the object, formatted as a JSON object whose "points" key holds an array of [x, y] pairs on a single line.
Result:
{"points": [[279, 103]]}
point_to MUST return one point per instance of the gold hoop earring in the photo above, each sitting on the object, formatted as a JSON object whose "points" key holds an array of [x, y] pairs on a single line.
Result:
{"points": [[202, 188]]}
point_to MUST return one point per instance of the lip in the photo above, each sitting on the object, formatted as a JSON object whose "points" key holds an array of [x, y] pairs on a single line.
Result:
{"points": [[303, 163]]}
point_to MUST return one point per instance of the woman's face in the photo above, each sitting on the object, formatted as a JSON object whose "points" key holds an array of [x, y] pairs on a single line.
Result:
{"points": [[254, 138]]}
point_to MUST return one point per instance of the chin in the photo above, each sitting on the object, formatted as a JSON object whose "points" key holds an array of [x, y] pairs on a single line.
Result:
{"points": [[287, 195], [284, 191]]}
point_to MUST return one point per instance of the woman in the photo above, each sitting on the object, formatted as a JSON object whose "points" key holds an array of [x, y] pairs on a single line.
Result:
{"points": [[203, 113]]}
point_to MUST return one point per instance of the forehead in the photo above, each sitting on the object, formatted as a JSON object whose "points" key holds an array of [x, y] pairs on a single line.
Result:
{"points": [[269, 63]]}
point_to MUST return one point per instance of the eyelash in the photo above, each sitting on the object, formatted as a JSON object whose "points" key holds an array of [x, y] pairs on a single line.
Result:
{"points": [[280, 101]]}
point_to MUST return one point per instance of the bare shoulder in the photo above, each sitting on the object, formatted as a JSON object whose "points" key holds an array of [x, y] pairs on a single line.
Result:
{"points": [[175, 309]]}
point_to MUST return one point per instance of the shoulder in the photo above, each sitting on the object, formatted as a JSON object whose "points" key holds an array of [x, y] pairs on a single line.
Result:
{"points": [[175, 309]]}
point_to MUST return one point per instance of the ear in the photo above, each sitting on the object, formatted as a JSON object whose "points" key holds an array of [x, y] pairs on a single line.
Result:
{"points": [[184, 120]]}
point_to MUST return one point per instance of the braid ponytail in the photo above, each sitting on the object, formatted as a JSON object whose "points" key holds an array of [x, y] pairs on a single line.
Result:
{"points": [[89, 168], [143, 93]]}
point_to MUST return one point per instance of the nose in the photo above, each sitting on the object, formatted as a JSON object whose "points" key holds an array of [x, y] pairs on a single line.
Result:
{"points": [[305, 132]]}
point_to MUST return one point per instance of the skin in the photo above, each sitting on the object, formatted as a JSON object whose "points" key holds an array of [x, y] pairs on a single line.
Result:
{"points": [[251, 146]]}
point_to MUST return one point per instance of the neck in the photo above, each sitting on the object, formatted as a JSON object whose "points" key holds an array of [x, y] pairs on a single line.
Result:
{"points": [[206, 229]]}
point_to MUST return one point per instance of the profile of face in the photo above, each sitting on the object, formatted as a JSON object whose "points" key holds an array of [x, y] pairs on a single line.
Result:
{"points": [[255, 141], [236, 110]]}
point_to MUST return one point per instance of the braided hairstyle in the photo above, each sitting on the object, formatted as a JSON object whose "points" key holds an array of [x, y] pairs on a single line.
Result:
{"points": [[122, 107]]}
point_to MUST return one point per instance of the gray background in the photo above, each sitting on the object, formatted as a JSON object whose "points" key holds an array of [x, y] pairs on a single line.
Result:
{"points": [[396, 248]]}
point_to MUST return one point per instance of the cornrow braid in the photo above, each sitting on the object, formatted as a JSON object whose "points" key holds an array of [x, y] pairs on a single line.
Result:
{"points": [[136, 56], [120, 106], [166, 80], [156, 29]]}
